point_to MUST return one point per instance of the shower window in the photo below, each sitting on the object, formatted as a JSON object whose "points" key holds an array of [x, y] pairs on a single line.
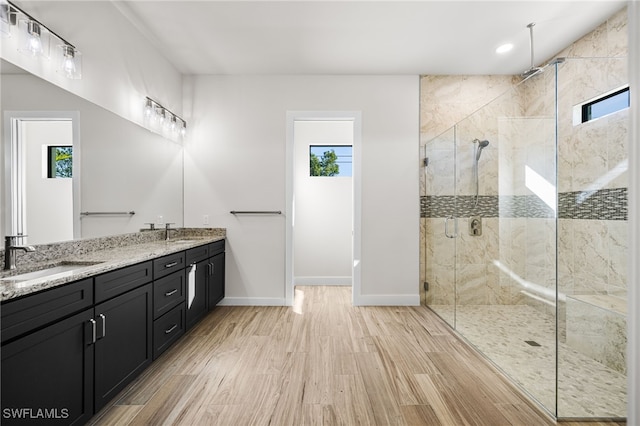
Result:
{"points": [[605, 105]]}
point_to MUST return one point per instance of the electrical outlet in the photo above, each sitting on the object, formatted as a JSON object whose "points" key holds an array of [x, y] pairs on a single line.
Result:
{"points": [[205, 219]]}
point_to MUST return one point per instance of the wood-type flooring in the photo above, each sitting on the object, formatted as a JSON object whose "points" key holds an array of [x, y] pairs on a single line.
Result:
{"points": [[322, 362]]}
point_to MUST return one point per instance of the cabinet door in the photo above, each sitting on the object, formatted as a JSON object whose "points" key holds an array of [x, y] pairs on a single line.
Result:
{"points": [[216, 280], [124, 344], [47, 376], [196, 303]]}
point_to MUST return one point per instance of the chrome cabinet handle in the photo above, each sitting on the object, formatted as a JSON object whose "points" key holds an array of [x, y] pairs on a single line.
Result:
{"points": [[93, 330], [171, 293], [170, 265], [171, 329], [104, 325], [446, 227]]}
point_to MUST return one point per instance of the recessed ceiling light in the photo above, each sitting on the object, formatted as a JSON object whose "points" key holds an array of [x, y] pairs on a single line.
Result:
{"points": [[504, 48]]}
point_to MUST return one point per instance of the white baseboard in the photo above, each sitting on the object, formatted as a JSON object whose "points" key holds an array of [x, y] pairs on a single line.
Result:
{"points": [[366, 300], [322, 281], [387, 300], [252, 301]]}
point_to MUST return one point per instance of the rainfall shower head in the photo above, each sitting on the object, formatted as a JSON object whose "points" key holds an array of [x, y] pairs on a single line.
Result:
{"points": [[531, 71], [481, 145]]}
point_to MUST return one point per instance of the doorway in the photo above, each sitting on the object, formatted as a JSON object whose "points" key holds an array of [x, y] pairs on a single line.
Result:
{"points": [[323, 200]]}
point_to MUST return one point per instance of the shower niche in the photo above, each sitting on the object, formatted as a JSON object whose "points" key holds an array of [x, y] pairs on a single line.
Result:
{"points": [[537, 282]]}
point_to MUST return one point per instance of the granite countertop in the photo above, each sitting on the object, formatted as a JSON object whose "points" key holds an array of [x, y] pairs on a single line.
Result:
{"points": [[94, 263]]}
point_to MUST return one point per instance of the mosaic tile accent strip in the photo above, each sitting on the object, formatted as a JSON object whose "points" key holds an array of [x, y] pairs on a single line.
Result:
{"points": [[604, 204]]}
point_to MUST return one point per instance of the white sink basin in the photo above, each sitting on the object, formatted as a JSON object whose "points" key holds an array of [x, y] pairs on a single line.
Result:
{"points": [[52, 272]]}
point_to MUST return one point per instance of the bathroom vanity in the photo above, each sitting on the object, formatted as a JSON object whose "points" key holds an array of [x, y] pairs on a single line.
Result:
{"points": [[72, 340]]}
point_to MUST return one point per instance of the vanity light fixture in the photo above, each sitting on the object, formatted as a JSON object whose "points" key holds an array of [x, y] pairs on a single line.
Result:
{"points": [[5, 18], [148, 109], [162, 115], [70, 61], [160, 120], [35, 39]]}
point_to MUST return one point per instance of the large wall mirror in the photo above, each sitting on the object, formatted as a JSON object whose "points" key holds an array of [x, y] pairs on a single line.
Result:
{"points": [[72, 169]]}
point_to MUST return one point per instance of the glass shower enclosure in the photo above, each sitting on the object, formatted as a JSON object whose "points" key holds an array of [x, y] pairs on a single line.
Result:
{"points": [[525, 242]]}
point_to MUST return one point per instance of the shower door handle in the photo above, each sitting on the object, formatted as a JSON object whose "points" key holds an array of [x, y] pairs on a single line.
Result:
{"points": [[455, 227]]}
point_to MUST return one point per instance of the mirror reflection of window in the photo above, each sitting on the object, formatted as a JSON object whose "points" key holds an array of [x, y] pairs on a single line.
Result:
{"points": [[59, 162]]}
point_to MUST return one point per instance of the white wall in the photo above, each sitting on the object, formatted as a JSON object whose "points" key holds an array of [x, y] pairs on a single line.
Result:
{"points": [[235, 160], [120, 66], [323, 209], [49, 202]]}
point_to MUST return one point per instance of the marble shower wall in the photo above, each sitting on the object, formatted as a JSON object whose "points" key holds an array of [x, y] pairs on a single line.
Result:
{"points": [[445, 101]]}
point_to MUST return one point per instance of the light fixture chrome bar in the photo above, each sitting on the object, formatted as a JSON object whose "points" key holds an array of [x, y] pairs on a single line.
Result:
{"points": [[16, 9], [152, 103], [276, 212], [131, 213]]}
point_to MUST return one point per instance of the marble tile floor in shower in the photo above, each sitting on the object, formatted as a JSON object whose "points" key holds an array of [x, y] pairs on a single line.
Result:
{"points": [[586, 388]]}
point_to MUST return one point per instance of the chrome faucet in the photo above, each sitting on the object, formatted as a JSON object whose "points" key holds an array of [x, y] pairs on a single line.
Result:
{"points": [[10, 249], [167, 229]]}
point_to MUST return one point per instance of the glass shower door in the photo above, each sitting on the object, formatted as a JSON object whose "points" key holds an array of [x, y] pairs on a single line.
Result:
{"points": [[506, 247], [440, 224]]}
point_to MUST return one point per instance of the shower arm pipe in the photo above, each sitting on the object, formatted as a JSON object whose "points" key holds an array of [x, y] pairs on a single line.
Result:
{"points": [[530, 26]]}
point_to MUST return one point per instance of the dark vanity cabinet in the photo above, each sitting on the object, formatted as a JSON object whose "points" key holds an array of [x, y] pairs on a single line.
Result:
{"points": [[69, 350], [123, 342], [48, 357], [124, 321]]}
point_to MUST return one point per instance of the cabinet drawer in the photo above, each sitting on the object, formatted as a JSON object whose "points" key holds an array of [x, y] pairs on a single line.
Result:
{"points": [[167, 293], [23, 315], [122, 280], [168, 264], [167, 329], [197, 254], [216, 248]]}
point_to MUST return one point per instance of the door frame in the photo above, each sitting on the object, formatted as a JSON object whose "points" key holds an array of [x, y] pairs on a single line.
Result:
{"points": [[292, 117], [14, 179]]}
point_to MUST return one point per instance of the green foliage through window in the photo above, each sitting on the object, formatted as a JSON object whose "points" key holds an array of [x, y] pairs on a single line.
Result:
{"points": [[334, 160], [60, 162]]}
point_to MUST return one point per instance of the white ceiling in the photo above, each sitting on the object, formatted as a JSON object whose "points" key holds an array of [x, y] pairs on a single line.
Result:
{"points": [[361, 37]]}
